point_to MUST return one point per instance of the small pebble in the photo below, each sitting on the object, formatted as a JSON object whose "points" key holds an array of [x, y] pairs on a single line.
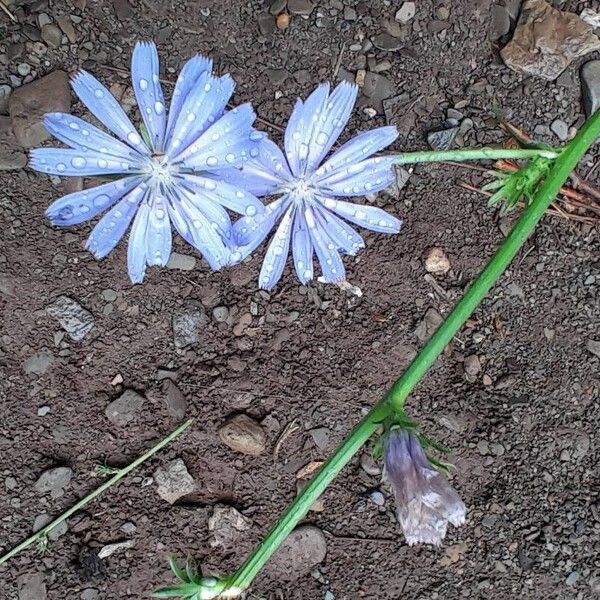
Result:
{"points": [[560, 129], [436, 261]]}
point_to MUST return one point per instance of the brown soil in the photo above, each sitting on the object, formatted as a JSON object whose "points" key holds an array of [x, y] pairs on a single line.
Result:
{"points": [[523, 428]]}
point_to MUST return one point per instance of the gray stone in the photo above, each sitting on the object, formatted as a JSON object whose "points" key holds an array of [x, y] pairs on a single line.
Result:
{"points": [[73, 318], [52, 35], [377, 498], [29, 103], [23, 69], [123, 9], [277, 6], [405, 13], [277, 76], [11, 153], [109, 295], [387, 42], [560, 129], [182, 262], [377, 87], [300, 7], [266, 24], [5, 91], [500, 21], [39, 363], [31, 586], [442, 139], [321, 437], [54, 481], [188, 323], [123, 410], [590, 85], [243, 434], [175, 400], [593, 346], [547, 40], [429, 324], [227, 526], [90, 594], [349, 14], [45, 519], [220, 314], [302, 550], [174, 481]]}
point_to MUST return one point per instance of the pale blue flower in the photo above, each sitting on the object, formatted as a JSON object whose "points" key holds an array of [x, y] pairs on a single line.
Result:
{"points": [[312, 217], [425, 501], [168, 175]]}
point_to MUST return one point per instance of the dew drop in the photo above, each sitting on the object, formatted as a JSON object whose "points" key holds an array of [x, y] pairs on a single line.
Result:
{"points": [[330, 203], [254, 152], [300, 264], [143, 85], [210, 184], [74, 125], [383, 223], [230, 157], [118, 214], [133, 138], [197, 224], [191, 116], [65, 213], [214, 137], [256, 135], [322, 138], [307, 274], [61, 167], [211, 161], [83, 208], [160, 213], [78, 162], [251, 210], [235, 256], [296, 135], [159, 108], [207, 87], [359, 214], [239, 194], [99, 94], [101, 200], [85, 132], [303, 151], [330, 246]]}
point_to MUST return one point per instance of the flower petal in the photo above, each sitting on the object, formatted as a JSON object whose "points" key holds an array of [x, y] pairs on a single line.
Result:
{"points": [[298, 132], [107, 110], [329, 122], [113, 225], [187, 80], [81, 135], [357, 149], [225, 194], [197, 230], [65, 161], [277, 252], [342, 235], [136, 247], [302, 249], [225, 144], [145, 73], [332, 266], [370, 217], [365, 177], [251, 231], [158, 237], [203, 106], [78, 207]]}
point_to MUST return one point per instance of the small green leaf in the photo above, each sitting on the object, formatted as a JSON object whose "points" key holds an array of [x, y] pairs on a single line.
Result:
{"points": [[184, 590], [193, 572], [179, 572]]}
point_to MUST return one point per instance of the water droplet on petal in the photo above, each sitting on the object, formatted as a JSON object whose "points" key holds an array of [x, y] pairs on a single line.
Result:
{"points": [[235, 256], [61, 167], [160, 213], [65, 213], [84, 209], [74, 125], [78, 162], [159, 107], [256, 135], [191, 116], [296, 135], [133, 138], [101, 200], [230, 157], [254, 152], [197, 224], [143, 85], [214, 137], [303, 151], [99, 94], [211, 161], [209, 184], [322, 138], [330, 203], [207, 87], [307, 274], [85, 131], [383, 223], [250, 210]]}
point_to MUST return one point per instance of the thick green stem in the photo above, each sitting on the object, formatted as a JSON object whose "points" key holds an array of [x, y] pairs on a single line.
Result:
{"points": [[42, 533], [394, 400], [473, 154]]}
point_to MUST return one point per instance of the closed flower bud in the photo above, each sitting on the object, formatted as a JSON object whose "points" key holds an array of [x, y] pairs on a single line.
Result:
{"points": [[425, 500]]}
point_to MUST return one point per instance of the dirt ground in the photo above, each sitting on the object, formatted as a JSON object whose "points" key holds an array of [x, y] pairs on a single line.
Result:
{"points": [[515, 396]]}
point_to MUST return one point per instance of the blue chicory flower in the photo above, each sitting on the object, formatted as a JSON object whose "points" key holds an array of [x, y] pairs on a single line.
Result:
{"points": [[425, 501], [311, 216], [170, 175]]}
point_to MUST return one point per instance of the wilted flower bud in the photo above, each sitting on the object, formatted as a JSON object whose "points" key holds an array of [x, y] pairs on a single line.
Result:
{"points": [[425, 501]]}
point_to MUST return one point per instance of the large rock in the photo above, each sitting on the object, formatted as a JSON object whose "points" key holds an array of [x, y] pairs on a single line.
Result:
{"points": [[546, 40], [124, 409], [11, 154], [28, 105]]}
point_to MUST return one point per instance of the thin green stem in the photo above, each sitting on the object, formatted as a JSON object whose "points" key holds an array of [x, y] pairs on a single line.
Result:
{"points": [[473, 154], [42, 533], [395, 398]]}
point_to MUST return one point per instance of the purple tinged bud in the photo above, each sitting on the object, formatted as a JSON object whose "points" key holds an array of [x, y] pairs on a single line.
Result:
{"points": [[425, 500]]}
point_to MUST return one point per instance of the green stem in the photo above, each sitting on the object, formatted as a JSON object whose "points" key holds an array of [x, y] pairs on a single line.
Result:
{"points": [[473, 154], [395, 398], [42, 533]]}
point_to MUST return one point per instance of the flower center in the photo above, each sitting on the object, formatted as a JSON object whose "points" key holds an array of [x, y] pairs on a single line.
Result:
{"points": [[299, 189], [160, 170]]}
